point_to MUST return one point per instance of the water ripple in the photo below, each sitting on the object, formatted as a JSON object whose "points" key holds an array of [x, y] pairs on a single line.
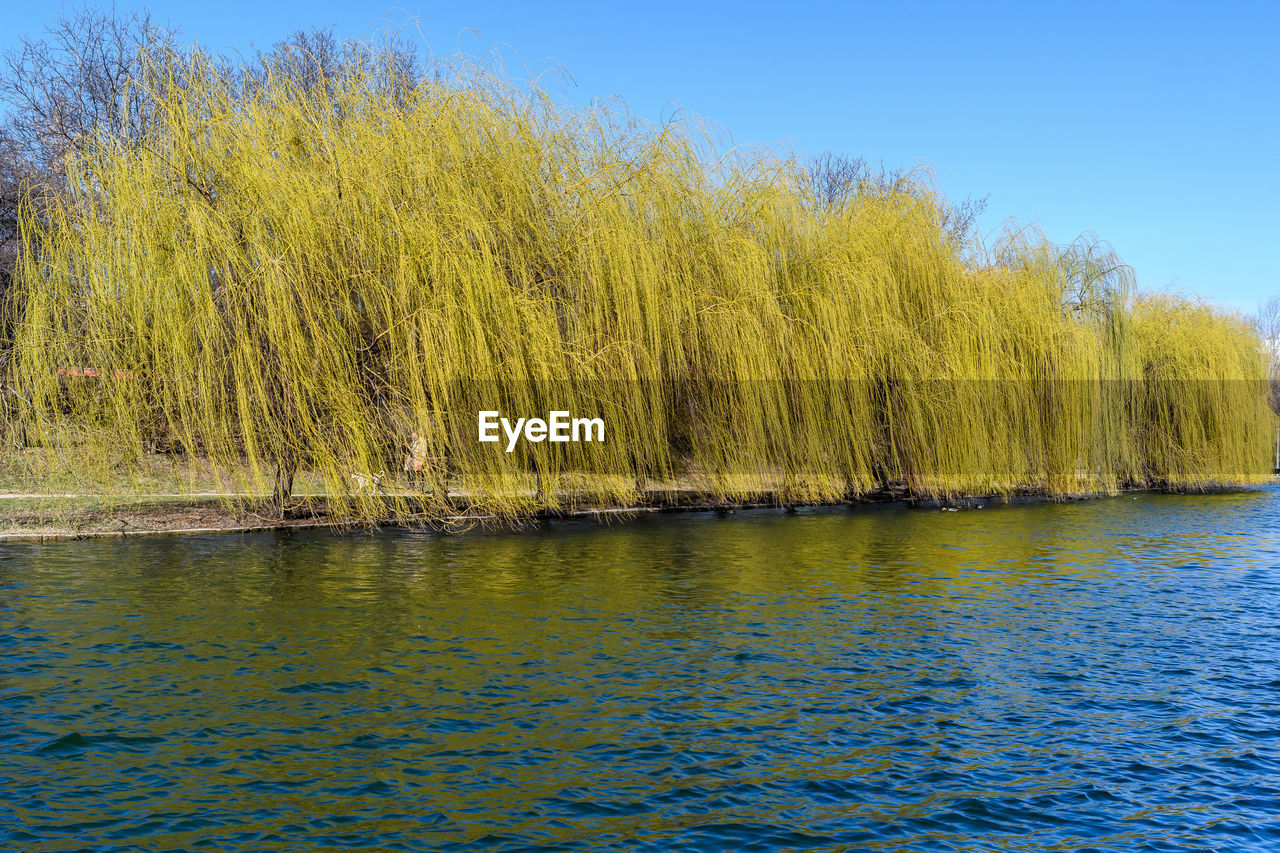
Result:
{"points": [[1089, 676]]}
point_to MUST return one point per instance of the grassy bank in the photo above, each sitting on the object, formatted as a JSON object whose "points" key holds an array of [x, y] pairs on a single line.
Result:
{"points": [[296, 278], [41, 518]]}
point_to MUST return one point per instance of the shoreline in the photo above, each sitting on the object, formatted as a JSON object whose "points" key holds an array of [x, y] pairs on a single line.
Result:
{"points": [[195, 518]]}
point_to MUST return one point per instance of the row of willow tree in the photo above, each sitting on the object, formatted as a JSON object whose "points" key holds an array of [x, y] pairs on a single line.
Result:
{"points": [[295, 265]]}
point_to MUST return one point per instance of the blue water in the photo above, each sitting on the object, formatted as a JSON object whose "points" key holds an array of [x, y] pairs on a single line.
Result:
{"points": [[1094, 676]]}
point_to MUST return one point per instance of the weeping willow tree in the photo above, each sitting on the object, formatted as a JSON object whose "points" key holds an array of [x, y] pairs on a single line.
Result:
{"points": [[311, 277]]}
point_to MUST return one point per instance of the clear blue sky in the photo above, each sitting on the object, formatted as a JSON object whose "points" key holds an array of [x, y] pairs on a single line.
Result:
{"points": [[1157, 126]]}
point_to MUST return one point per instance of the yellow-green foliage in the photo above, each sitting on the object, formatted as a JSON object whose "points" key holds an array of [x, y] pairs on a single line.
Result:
{"points": [[300, 279]]}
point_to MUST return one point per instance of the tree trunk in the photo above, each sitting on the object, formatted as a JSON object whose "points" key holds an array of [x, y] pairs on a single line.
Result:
{"points": [[283, 488]]}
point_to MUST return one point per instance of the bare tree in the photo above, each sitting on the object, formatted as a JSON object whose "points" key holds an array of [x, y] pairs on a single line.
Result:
{"points": [[77, 84], [1267, 323], [16, 174], [61, 92], [961, 219], [316, 59], [835, 179], [77, 81]]}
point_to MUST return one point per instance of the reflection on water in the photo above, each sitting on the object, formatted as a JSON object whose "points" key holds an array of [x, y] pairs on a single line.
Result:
{"points": [[1102, 675]]}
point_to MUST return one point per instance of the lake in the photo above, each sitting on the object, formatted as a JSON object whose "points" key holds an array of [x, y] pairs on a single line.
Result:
{"points": [[1101, 675]]}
